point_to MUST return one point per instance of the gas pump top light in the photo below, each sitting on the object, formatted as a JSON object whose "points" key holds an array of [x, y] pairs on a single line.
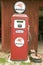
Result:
{"points": [[19, 7]]}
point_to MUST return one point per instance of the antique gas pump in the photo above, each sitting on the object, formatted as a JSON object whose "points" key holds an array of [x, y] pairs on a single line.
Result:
{"points": [[19, 33]]}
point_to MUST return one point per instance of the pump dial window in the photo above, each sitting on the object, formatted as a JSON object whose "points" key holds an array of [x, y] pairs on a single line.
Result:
{"points": [[19, 24]]}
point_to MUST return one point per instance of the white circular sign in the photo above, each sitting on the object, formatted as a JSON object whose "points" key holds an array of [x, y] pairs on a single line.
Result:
{"points": [[19, 7], [19, 42]]}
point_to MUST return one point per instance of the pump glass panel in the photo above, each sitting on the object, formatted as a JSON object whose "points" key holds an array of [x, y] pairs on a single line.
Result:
{"points": [[19, 24]]}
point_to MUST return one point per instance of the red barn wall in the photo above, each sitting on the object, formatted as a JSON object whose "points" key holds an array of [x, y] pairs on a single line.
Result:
{"points": [[32, 10]]}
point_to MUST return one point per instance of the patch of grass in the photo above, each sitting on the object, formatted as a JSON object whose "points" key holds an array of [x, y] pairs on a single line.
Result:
{"points": [[3, 60]]}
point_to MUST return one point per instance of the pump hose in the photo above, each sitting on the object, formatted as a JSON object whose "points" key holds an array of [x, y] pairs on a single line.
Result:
{"points": [[29, 34]]}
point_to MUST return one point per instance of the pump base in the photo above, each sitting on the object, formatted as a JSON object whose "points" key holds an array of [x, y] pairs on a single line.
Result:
{"points": [[26, 61]]}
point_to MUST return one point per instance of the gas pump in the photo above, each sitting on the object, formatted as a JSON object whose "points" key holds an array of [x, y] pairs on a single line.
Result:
{"points": [[19, 36]]}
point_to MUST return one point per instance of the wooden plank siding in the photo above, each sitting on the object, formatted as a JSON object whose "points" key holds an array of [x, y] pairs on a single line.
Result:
{"points": [[32, 10]]}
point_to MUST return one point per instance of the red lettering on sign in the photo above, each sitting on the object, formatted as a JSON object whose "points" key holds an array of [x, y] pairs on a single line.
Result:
{"points": [[20, 5], [19, 40]]}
